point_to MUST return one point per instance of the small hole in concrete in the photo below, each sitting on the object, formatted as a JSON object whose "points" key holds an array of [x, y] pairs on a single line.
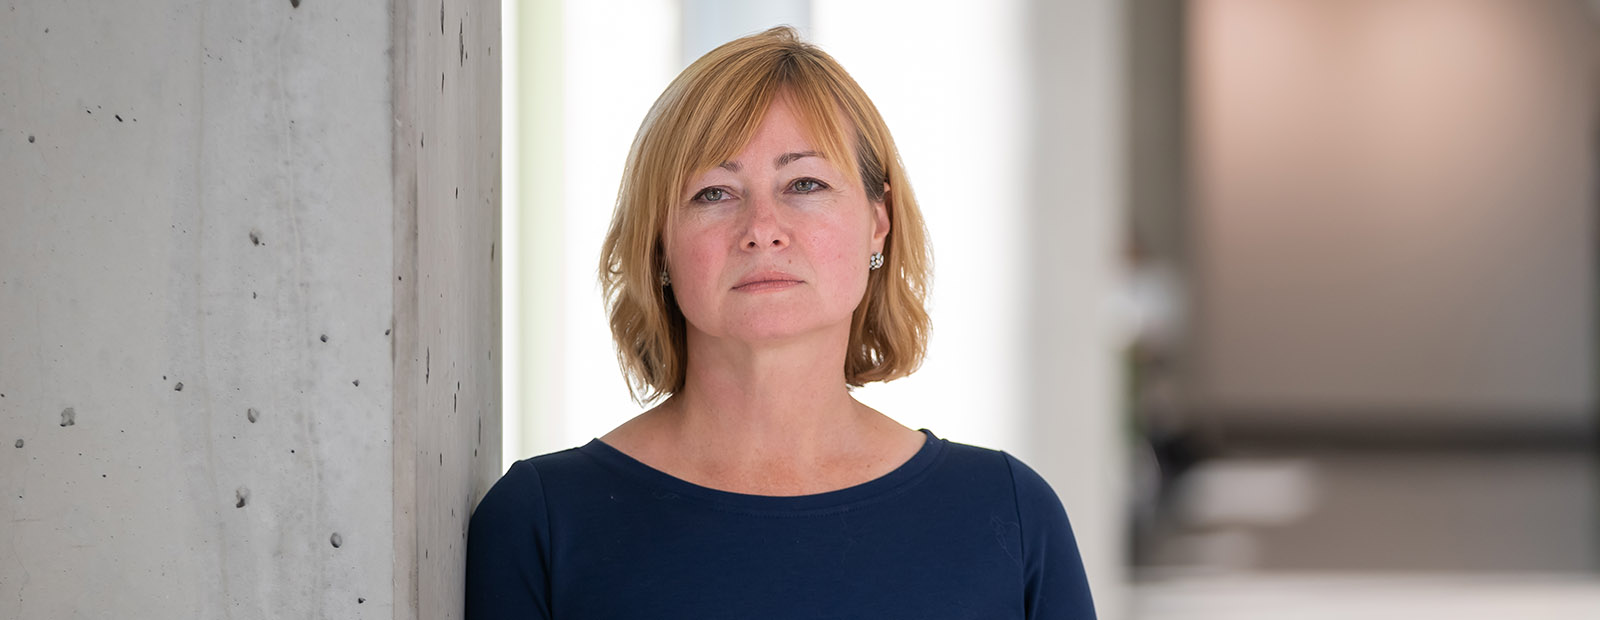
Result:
{"points": [[69, 416], [336, 540], [19, 443], [252, 415], [178, 387], [242, 496]]}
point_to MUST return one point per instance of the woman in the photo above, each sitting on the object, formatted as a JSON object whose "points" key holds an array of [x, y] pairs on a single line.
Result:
{"points": [[765, 255]]}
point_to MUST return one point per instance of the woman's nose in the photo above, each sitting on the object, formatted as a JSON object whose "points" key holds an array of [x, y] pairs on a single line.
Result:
{"points": [[763, 228]]}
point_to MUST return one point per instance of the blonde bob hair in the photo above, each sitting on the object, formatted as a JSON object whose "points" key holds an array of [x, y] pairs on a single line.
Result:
{"points": [[706, 116]]}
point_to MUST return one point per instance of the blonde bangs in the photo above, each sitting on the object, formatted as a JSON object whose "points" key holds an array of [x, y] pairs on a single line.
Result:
{"points": [[729, 109]]}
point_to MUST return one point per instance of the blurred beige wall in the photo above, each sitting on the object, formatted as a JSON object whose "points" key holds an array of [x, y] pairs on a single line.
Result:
{"points": [[1394, 211]]}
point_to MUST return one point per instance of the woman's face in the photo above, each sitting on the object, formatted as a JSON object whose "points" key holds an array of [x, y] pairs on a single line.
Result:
{"points": [[774, 243]]}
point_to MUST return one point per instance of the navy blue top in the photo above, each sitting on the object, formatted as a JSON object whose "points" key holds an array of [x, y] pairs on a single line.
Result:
{"points": [[956, 532]]}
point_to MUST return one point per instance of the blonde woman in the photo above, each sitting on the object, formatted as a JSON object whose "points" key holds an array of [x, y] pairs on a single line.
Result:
{"points": [[766, 255]]}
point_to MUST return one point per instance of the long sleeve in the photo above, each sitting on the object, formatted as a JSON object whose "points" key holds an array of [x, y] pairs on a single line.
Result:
{"points": [[508, 550], [1056, 587]]}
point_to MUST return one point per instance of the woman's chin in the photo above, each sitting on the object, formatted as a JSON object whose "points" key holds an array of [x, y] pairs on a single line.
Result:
{"points": [[783, 331]]}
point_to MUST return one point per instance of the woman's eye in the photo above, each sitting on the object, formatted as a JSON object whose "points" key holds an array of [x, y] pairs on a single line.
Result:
{"points": [[710, 194], [807, 186]]}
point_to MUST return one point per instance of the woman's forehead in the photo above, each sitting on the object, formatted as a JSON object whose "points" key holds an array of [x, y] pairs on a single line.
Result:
{"points": [[784, 135]]}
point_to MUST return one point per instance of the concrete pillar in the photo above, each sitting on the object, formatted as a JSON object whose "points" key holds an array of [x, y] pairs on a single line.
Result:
{"points": [[447, 227], [248, 312]]}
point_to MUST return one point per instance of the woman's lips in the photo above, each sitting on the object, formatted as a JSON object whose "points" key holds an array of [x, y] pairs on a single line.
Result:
{"points": [[765, 285], [766, 281]]}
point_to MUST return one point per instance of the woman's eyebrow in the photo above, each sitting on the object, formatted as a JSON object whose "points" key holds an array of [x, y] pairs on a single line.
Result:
{"points": [[782, 160], [786, 158]]}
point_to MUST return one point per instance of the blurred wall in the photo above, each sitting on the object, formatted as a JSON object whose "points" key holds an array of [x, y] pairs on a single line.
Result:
{"points": [[248, 306], [1074, 430], [1394, 212]]}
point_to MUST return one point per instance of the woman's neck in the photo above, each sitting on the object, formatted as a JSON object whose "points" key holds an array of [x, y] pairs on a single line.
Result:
{"points": [[778, 404], [768, 420]]}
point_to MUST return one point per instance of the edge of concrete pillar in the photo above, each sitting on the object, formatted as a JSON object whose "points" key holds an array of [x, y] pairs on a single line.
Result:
{"points": [[447, 293]]}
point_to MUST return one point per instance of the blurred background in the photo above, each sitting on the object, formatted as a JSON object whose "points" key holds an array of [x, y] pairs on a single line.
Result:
{"points": [[1293, 301]]}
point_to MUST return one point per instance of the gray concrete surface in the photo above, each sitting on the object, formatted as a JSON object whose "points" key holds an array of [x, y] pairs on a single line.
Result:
{"points": [[447, 292], [210, 407]]}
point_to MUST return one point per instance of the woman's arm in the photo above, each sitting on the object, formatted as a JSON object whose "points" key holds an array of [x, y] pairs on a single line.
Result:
{"points": [[508, 547], [1055, 586]]}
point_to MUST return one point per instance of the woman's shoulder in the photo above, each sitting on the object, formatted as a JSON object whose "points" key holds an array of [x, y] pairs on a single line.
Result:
{"points": [[970, 455], [525, 482], [1045, 533], [1000, 467]]}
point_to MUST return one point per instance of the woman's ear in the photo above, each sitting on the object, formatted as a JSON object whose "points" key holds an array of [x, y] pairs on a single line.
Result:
{"points": [[880, 212]]}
